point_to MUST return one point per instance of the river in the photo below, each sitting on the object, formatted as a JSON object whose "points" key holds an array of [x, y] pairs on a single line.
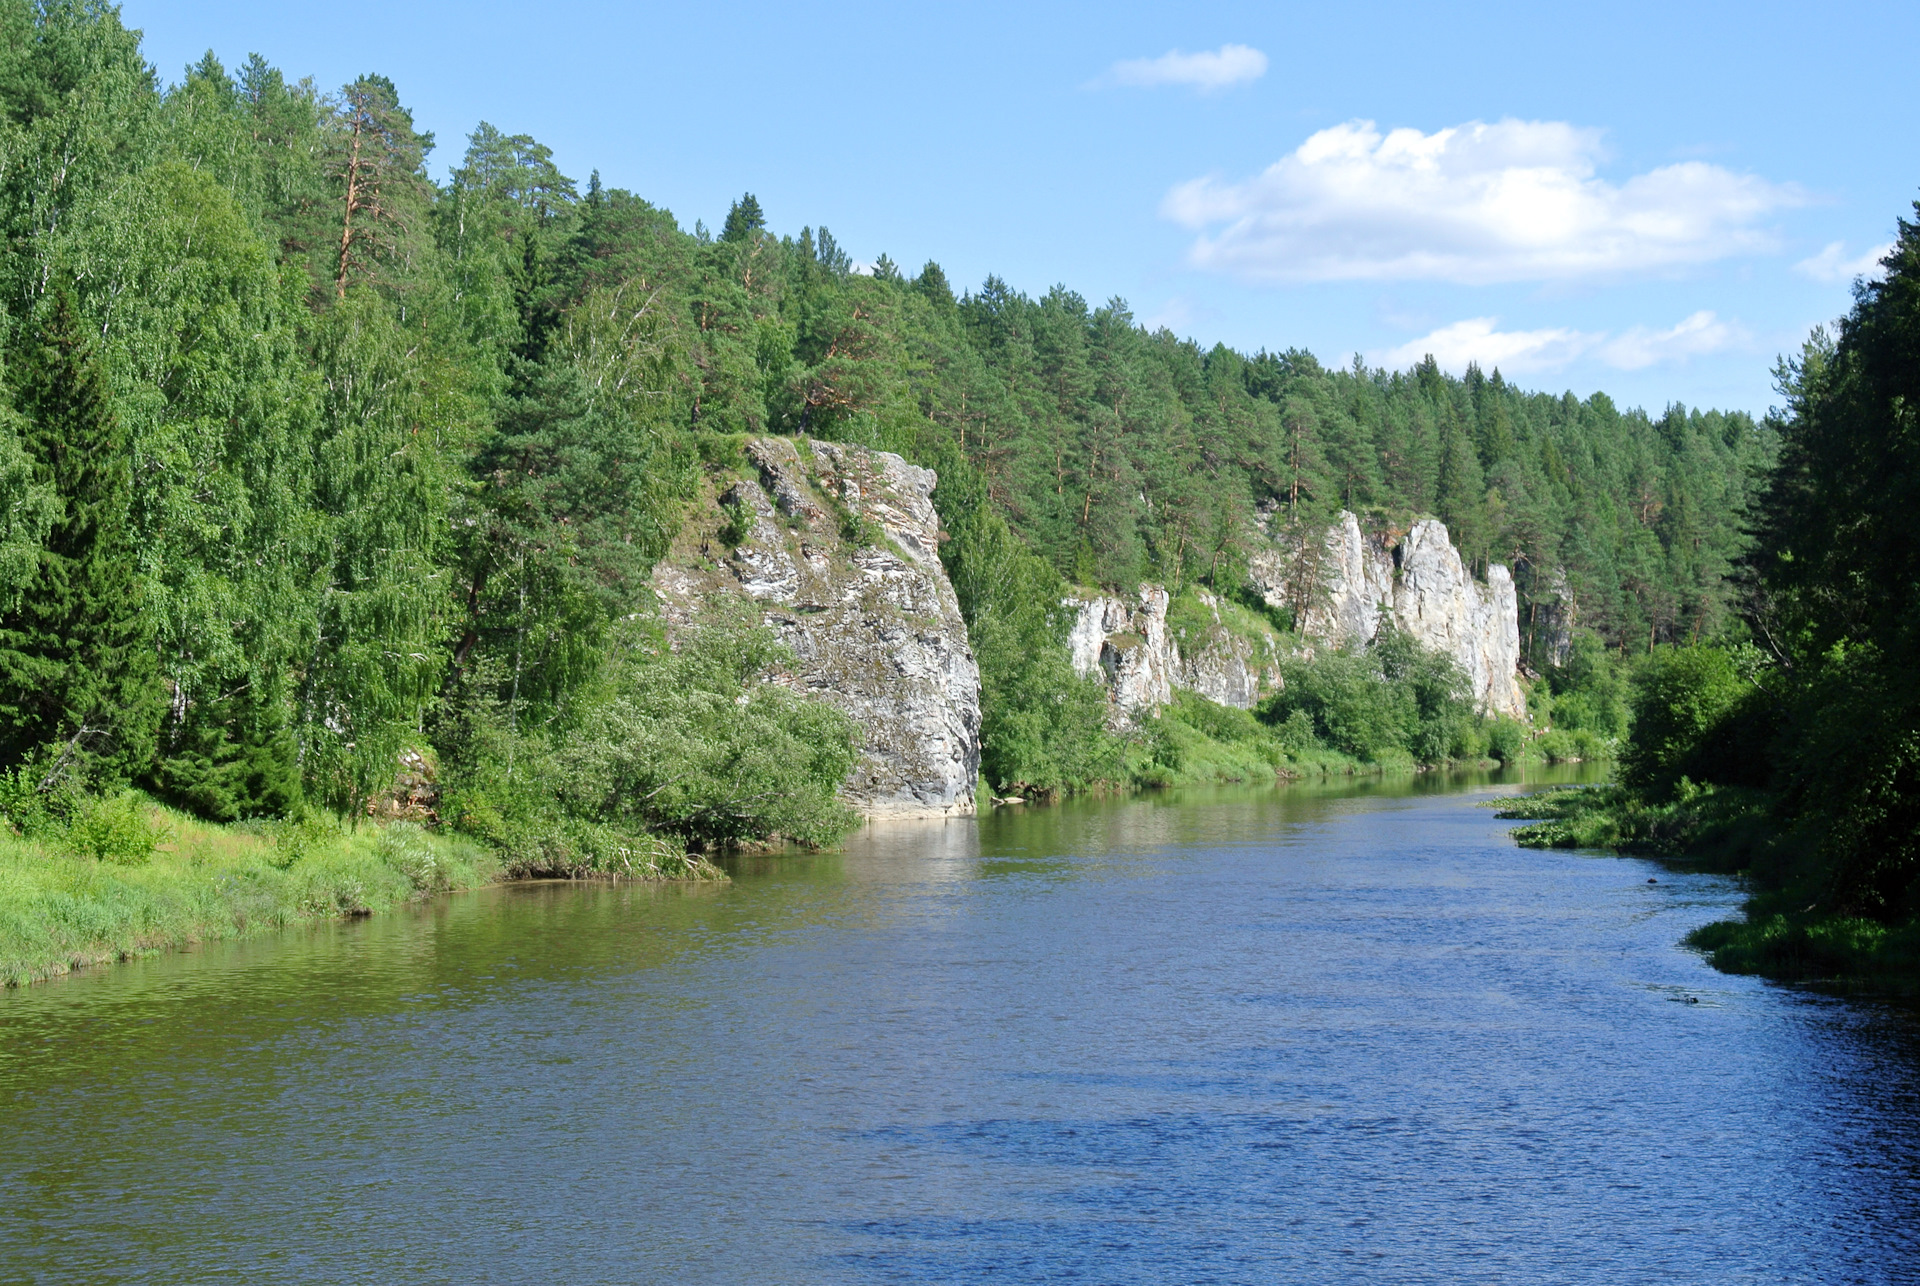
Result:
{"points": [[1313, 1034]]}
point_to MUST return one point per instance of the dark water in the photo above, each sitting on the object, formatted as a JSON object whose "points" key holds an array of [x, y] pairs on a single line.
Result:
{"points": [[1282, 1036]]}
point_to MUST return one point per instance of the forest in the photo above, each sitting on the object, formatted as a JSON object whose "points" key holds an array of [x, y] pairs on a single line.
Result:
{"points": [[316, 459]]}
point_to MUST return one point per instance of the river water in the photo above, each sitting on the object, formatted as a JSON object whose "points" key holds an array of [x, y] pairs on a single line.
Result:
{"points": [[1300, 1035]]}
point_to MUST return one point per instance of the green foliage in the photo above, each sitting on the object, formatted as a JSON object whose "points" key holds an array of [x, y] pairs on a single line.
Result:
{"points": [[76, 655], [1042, 726], [1688, 705], [1394, 702], [189, 882], [116, 829], [1506, 739], [1589, 691], [695, 743]]}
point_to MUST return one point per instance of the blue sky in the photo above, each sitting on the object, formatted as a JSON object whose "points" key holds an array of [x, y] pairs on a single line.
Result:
{"points": [[1654, 200]]}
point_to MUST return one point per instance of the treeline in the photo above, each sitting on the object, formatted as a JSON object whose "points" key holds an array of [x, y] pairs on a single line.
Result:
{"points": [[1790, 746], [309, 458]]}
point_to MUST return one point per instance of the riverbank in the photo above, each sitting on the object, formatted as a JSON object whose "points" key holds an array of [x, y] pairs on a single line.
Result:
{"points": [[128, 877], [1783, 936]]}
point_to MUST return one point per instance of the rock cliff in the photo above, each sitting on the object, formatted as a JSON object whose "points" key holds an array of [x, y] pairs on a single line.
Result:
{"points": [[835, 548], [1419, 582], [1144, 656]]}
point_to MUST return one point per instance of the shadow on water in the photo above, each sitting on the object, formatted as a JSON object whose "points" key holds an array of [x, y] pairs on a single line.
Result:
{"points": [[1333, 1031]]}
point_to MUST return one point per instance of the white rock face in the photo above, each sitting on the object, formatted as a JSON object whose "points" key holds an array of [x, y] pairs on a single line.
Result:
{"points": [[875, 629], [1442, 606], [1357, 576], [1429, 594], [1419, 584], [1129, 643]]}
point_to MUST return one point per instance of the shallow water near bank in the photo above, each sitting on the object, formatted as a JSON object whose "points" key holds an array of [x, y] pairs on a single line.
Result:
{"points": [[1333, 1032]]}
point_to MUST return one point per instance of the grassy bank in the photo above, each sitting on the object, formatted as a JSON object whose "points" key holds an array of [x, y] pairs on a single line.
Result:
{"points": [[1733, 831], [131, 877], [125, 876]]}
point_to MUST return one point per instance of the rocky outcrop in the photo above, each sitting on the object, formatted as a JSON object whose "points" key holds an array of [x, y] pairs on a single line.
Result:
{"points": [[837, 551], [1419, 583], [1476, 624], [1127, 642], [1415, 580], [1144, 657], [1552, 620]]}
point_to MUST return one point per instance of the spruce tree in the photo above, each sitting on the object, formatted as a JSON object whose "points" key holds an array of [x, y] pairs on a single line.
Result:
{"points": [[745, 219], [78, 674]]}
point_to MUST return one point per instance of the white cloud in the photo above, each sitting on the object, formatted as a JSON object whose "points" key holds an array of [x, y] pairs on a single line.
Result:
{"points": [[1479, 340], [1477, 203], [1177, 314], [1832, 263], [1699, 334], [1209, 73], [1518, 352]]}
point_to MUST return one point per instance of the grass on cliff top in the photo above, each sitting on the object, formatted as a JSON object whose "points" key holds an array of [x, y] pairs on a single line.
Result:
{"points": [[128, 877]]}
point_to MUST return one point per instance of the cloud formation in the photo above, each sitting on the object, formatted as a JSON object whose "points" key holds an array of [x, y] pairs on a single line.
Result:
{"points": [[1696, 336], [1832, 264], [1476, 204], [1480, 340], [1209, 73]]}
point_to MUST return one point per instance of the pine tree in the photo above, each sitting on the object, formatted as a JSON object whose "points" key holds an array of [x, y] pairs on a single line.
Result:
{"points": [[78, 674], [378, 161], [745, 219], [1463, 487]]}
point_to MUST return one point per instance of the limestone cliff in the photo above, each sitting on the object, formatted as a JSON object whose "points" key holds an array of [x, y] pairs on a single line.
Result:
{"points": [[835, 548], [1144, 656], [1418, 581]]}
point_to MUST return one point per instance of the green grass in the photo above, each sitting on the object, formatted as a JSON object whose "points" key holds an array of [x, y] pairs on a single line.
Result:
{"points": [[125, 876], [62, 908], [1845, 953]]}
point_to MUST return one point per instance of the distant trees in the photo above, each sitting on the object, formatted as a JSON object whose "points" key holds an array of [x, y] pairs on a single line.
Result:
{"points": [[369, 462]]}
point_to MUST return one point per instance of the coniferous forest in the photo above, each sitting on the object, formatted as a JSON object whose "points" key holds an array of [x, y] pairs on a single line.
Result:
{"points": [[327, 443]]}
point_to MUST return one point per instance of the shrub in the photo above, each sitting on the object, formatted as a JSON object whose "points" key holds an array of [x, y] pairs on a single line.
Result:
{"points": [[1506, 739], [697, 743], [115, 829], [1696, 715], [1394, 701]]}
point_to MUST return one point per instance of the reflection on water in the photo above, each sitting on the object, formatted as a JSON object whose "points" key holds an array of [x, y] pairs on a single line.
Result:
{"points": [[1333, 1032]]}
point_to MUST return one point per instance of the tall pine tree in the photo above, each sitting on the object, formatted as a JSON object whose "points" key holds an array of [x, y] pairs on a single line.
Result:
{"points": [[78, 675]]}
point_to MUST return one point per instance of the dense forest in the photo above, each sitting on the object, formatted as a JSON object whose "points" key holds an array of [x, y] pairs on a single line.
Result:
{"points": [[1787, 748], [310, 458]]}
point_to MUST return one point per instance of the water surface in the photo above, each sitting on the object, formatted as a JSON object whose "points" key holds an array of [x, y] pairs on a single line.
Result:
{"points": [[1298, 1035]]}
